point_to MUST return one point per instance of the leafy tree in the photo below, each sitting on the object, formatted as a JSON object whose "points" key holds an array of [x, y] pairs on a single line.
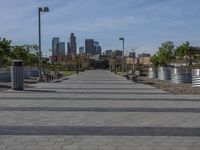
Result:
{"points": [[185, 51], [155, 60], [27, 53], [166, 53], [20, 52], [5, 50]]}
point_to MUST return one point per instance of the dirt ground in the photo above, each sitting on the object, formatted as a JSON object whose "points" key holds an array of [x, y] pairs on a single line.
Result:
{"points": [[171, 87]]}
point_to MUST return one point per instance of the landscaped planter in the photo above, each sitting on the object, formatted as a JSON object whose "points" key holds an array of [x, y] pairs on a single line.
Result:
{"points": [[181, 75], [196, 77], [153, 73], [164, 73]]}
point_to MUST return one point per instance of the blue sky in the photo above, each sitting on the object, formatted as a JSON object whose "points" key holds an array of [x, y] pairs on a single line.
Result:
{"points": [[145, 24]]}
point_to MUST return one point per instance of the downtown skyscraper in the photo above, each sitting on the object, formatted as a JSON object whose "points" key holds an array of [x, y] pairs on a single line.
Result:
{"points": [[61, 48], [92, 47], [55, 43], [58, 48], [89, 46], [72, 45]]}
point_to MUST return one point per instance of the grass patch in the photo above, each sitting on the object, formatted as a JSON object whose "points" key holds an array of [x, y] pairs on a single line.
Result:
{"points": [[119, 73], [67, 73]]}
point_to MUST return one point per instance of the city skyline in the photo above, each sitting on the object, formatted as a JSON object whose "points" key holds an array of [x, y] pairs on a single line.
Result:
{"points": [[71, 44], [143, 23]]}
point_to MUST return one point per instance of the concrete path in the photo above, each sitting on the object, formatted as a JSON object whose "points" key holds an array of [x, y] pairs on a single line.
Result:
{"points": [[97, 110]]}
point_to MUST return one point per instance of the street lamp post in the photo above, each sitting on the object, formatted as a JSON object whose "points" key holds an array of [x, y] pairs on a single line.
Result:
{"points": [[122, 39], [40, 9]]}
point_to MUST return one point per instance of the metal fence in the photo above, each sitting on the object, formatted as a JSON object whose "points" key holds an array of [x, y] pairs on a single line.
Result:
{"points": [[5, 74]]}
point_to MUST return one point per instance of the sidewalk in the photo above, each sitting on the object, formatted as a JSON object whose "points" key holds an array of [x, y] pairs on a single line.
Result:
{"points": [[97, 110]]}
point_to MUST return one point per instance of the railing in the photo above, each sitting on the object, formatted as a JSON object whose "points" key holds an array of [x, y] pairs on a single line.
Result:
{"points": [[5, 74]]}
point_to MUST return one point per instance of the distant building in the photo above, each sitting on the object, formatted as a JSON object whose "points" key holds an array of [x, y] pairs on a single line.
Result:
{"points": [[61, 48], [92, 47], [108, 53], [144, 55], [144, 59], [89, 46], [81, 50], [117, 52], [72, 45], [97, 48], [131, 60], [55, 42], [132, 54], [196, 50]]}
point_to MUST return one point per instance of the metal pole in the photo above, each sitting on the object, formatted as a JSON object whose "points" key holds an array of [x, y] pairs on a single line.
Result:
{"points": [[123, 56], [39, 24]]}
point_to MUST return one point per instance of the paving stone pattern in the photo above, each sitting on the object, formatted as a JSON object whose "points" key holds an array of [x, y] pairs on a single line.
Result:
{"points": [[97, 110]]}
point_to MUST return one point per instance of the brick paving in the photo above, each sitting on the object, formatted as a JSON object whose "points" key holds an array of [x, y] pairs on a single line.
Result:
{"points": [[97, 110]]}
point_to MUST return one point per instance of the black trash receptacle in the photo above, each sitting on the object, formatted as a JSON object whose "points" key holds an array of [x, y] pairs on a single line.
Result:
{"points": [[17, 75]]}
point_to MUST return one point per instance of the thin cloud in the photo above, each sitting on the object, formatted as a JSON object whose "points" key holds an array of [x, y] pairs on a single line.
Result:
{"points": [[147, 22]]}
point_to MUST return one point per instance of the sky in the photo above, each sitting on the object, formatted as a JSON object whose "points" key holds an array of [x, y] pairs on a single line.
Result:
{"points": [[144, 24]]}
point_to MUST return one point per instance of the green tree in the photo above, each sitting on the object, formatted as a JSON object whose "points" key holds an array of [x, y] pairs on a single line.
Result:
{"points": [[5, 51], [185, 51], [20, 52], [155, 60], [27, 53], [32, 54], [166, 53]]}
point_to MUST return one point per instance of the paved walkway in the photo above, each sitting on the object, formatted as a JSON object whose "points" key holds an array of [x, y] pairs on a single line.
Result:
{"points": [[97, 110]]}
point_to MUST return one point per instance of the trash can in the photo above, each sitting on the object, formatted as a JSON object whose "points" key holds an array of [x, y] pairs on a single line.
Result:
{"points": [[17, 75]]}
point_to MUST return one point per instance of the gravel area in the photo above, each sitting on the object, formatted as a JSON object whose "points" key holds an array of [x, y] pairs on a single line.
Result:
{"points": [[4, 87], [171, 87]]}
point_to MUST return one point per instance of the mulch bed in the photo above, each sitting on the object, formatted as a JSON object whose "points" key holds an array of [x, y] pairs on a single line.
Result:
{"points": [[171, 87]]}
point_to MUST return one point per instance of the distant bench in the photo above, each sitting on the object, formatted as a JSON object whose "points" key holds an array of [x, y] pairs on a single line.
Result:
{"points": [[132, 77]]}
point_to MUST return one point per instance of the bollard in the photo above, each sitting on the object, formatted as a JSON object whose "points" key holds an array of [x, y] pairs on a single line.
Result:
{"points": [[17, 75]]}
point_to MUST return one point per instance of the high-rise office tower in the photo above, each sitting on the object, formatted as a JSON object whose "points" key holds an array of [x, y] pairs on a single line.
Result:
{"points": [[132, 54], [55, 42], [81, 50], [108, 53], [61, 48], [117, 52], [89, 46], [97, 48], [71, 45]]}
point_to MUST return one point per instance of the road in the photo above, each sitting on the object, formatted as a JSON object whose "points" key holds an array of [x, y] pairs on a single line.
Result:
{"points": [[97, 110]]}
